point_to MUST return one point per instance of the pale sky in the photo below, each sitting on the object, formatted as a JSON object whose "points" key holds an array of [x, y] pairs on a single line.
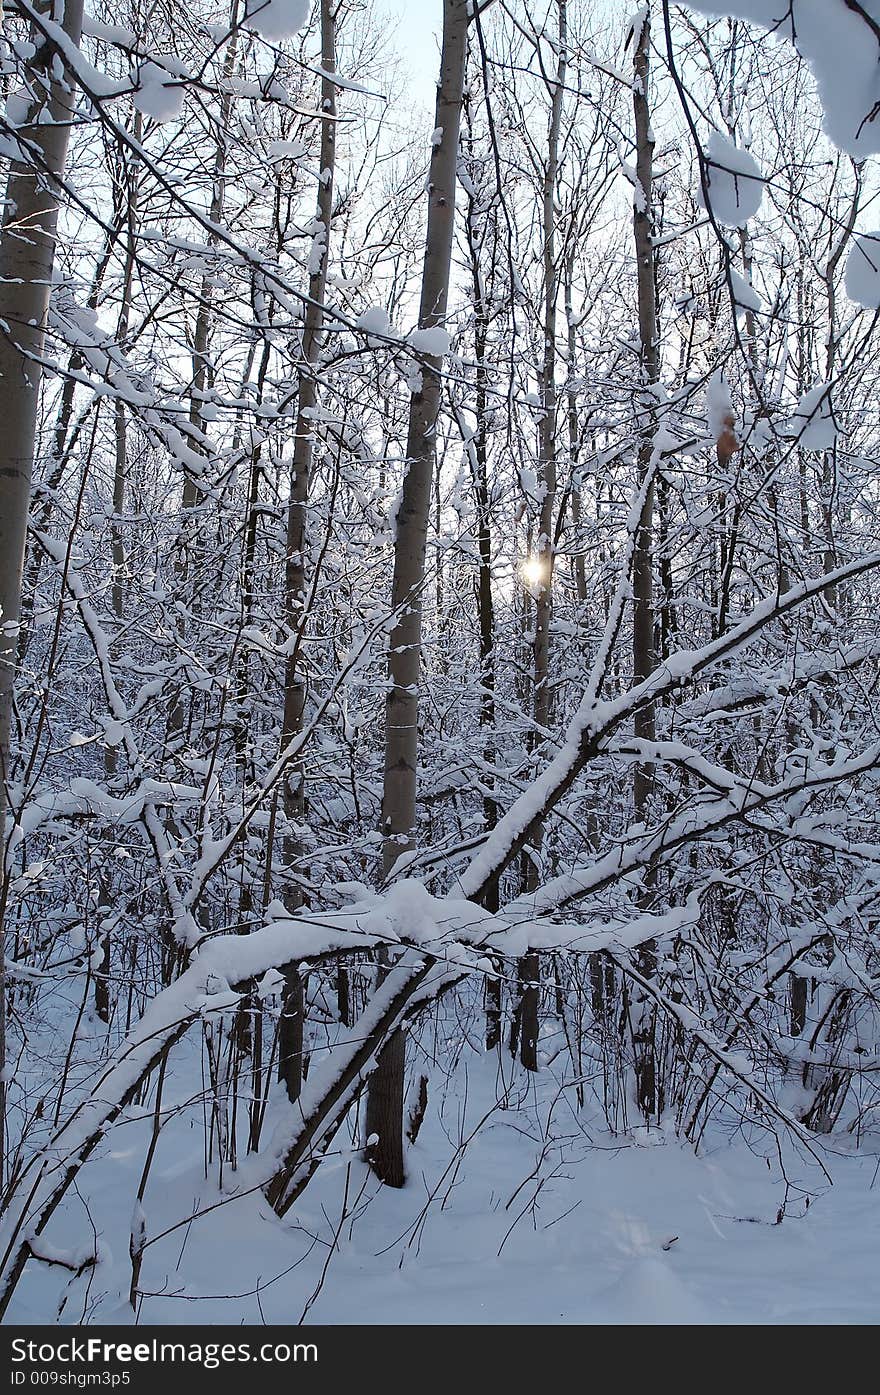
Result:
{"points": [[418, 25]]}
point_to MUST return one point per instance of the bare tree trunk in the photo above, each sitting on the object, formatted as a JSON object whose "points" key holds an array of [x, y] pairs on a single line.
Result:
{"points": [[642, 1010], [530, 968], [290, 1041], [478, 451], [117, 546], [601, 964], [27, 254], [65, 438], [486, 616], [574, 445], [829, 464], [384, 1117]]}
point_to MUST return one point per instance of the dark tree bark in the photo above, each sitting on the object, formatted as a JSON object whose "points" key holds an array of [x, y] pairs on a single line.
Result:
{"points": [[642, 1010], [292, 1029], [529, 974]]}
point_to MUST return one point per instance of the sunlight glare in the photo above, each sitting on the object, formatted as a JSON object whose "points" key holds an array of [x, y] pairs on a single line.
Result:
{"points": [[534, 571]]}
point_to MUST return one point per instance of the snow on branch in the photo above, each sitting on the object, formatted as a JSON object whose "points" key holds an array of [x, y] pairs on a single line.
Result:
{"points": [[840, 39]]}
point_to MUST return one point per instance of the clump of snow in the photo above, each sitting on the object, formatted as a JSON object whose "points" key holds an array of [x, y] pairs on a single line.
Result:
{"points": [[435, 342], [636, 22], [276, 19], [734, 180], [862, 278], [271, 983], [838, 43], [285, 150], [375, 321], [745, 296], [813, 424], [531, 486], [719, 408], [316, 253], [157, 94]]}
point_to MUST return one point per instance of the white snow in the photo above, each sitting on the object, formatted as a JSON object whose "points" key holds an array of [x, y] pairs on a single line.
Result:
{"points": [[531, 486], [718, 404], [622, 1230], [862, 278], [110, 33], [375, 320], [157, 94], [813, 423], [842, 51], [276, 19], [317, 249], [745, 297], [286, 149], [434, 342], [636, 22], [515, 1175], [734, 180]]}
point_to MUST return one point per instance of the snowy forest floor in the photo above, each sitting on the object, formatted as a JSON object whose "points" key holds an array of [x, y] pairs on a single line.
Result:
{"points": [[525, 1214]]}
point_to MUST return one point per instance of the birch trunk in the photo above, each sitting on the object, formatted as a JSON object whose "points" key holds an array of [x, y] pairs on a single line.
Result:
{"points": [[27, 254], [384, 1117]]}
